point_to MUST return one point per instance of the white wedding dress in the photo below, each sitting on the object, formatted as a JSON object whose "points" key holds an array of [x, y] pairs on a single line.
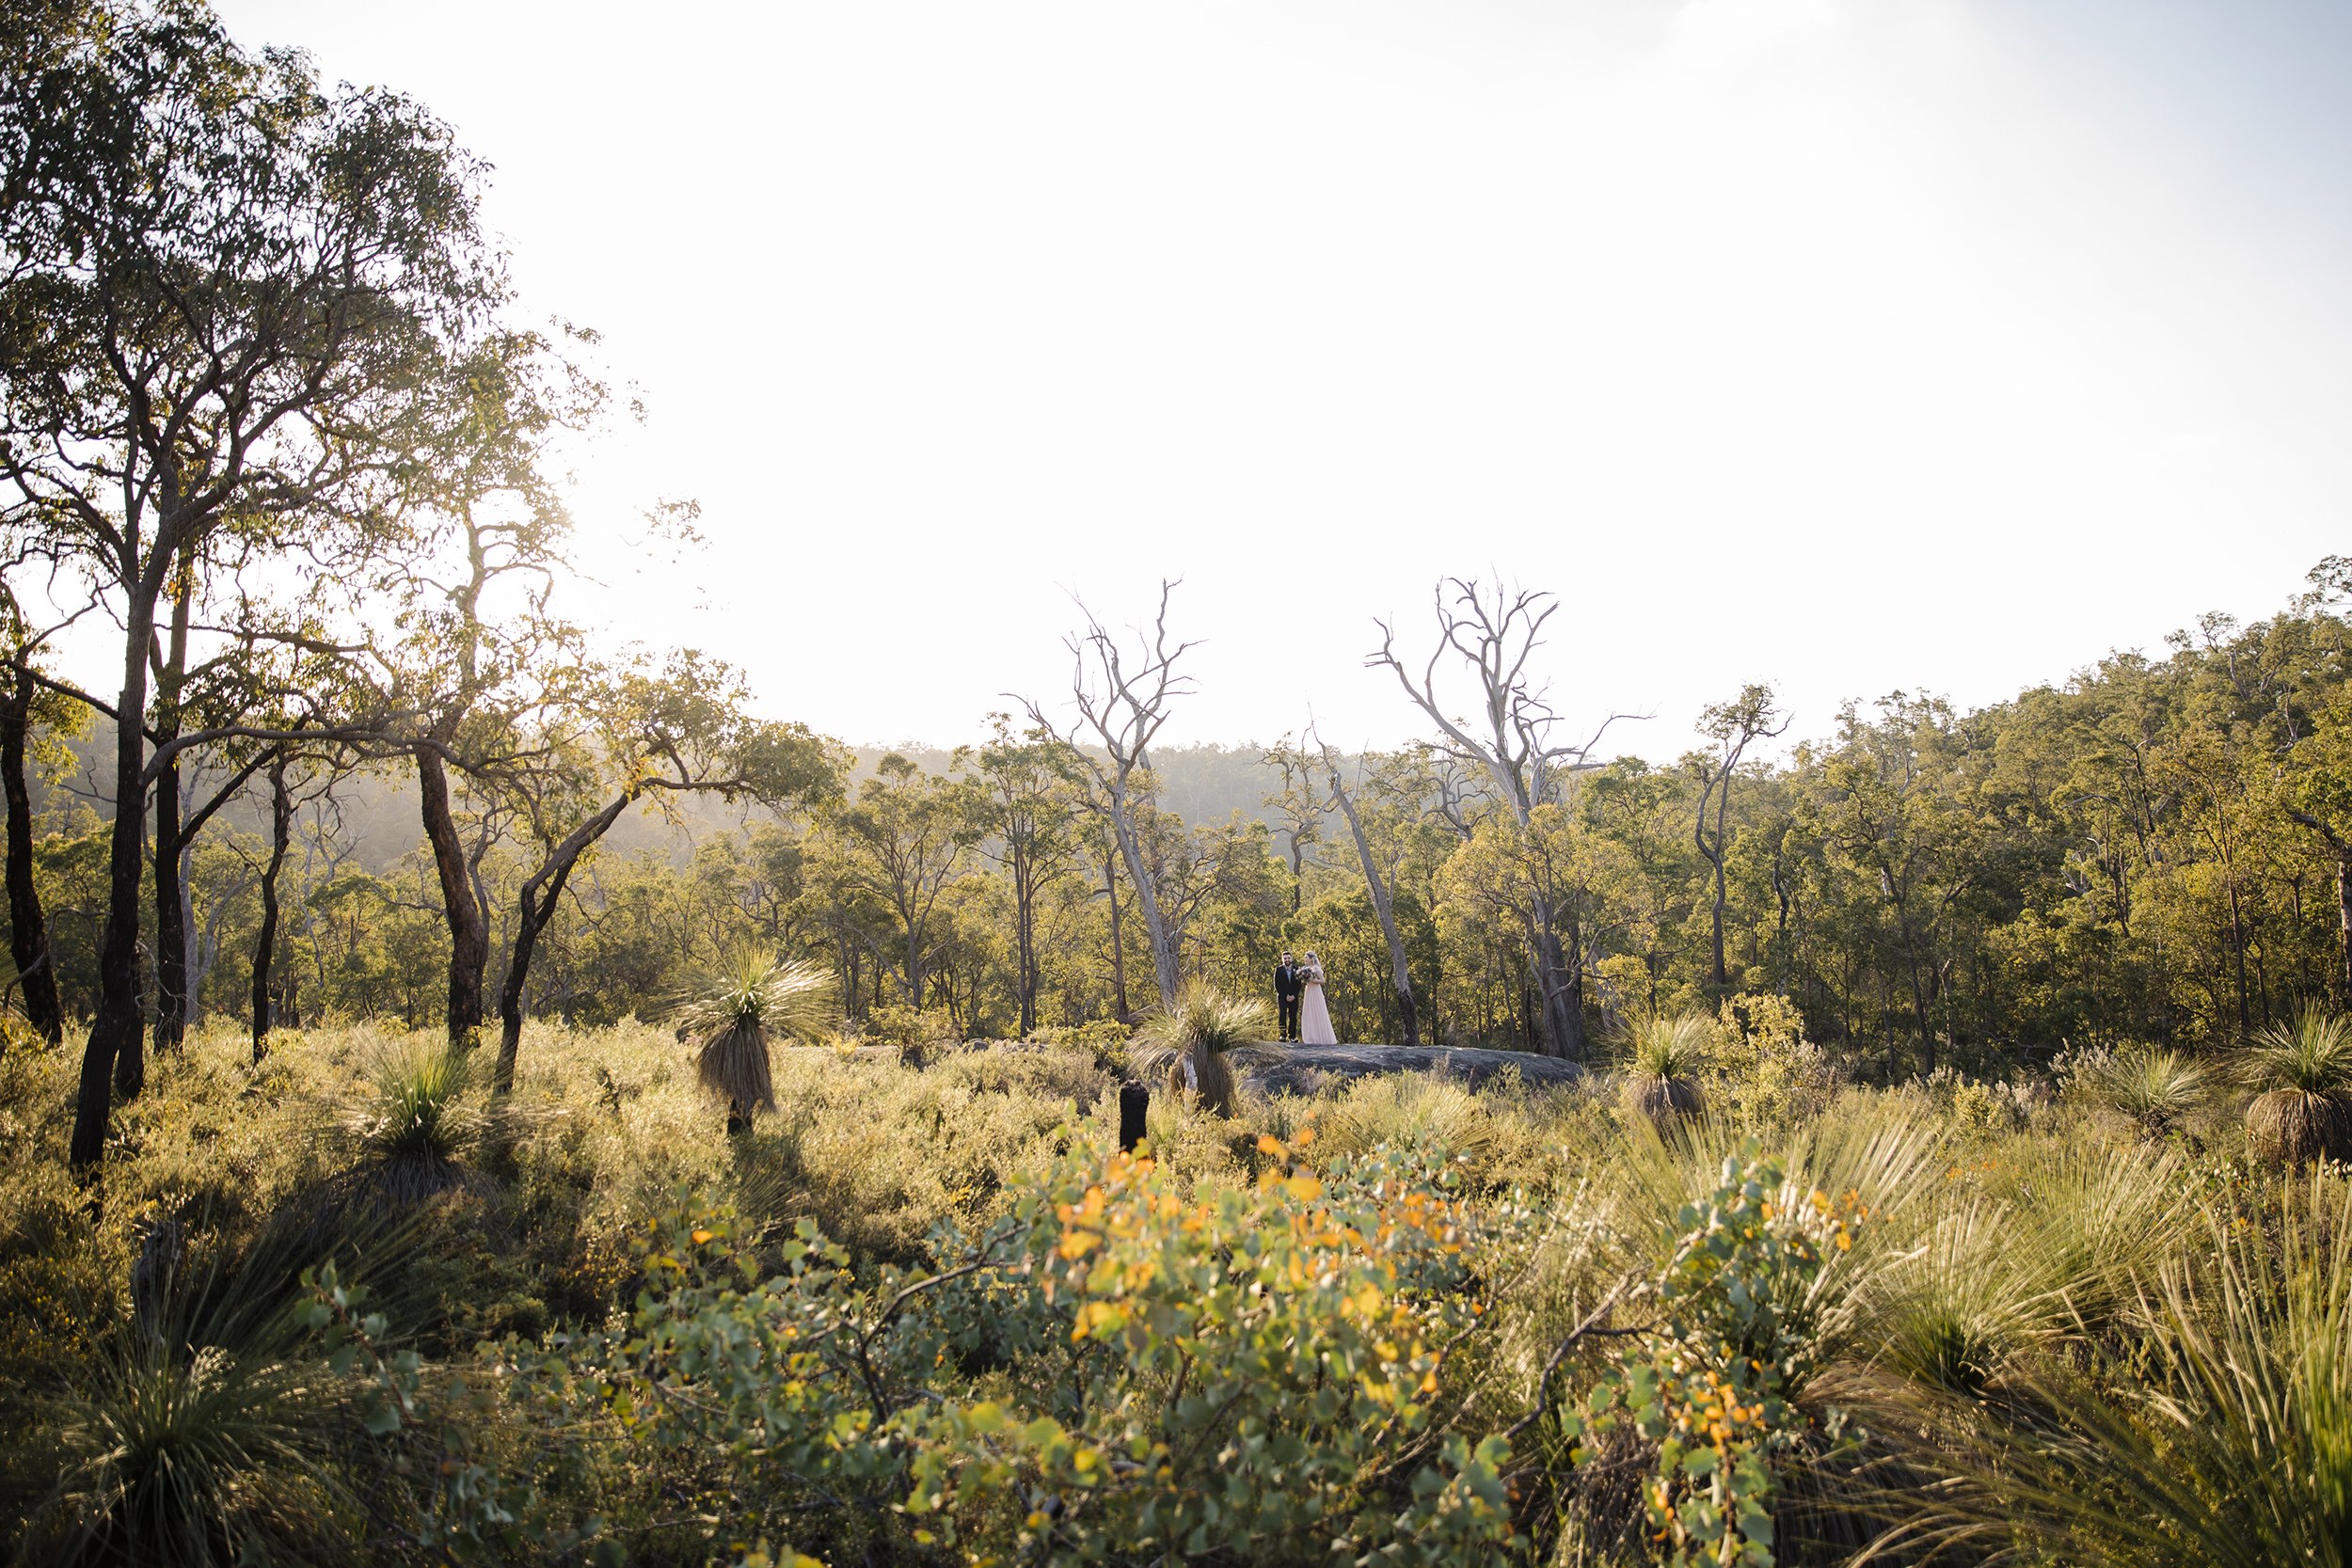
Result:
{"points": [[1314, 1018]]}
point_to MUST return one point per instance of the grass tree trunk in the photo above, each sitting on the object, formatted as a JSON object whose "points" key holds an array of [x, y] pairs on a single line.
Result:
{"points": [[266, 943], [28, 925], [468, 922]]}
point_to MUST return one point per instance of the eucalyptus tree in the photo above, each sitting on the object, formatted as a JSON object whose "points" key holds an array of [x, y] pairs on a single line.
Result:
{"points": [[631, 734], [1300, 807], [226, 283], [483, 525], [1733, 727], [1030, 802], [1122, 702], [908, 834], [1515, 739], [31, 706]]}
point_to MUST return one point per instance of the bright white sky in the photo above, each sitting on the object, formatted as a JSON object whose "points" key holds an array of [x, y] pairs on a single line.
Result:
{"points": [[1847, 344]]}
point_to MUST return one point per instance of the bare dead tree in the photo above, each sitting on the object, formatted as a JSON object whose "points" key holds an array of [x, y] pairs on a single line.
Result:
{"points": [[1733, 726], [1122, 702], [1515, 739]]}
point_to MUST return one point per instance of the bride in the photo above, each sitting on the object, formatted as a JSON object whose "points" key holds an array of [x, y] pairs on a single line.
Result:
{"points": [[1314, 1018]]}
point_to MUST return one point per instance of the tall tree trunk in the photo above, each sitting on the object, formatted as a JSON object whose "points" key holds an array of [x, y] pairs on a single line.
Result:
{"points": [[1166, 962], [2343, 921], [265, 943], [468, 922], [1024, 943], [1400, 973], [172, 930], [114, 1054], [1560, 988], [29, 927], [1119, 946], [171, 908]]}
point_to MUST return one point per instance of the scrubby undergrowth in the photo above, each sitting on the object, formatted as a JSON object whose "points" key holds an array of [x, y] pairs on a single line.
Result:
{"points": [[927, 1314]]}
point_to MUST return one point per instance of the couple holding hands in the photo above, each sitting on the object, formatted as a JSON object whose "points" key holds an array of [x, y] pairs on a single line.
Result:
{"points": [[1298, 1001]]}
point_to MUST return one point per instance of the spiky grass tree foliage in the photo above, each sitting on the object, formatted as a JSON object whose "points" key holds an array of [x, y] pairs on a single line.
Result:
{"points": [[2301, 1075], [419, 1126], [1663, 1058], [198, 1432], [2236, 1449], [1195, 1044], [2158, 1089], [736, 1014]]}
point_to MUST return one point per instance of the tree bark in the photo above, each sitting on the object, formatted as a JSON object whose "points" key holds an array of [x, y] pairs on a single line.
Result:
{"points": [[534, 909], [114, 1057], [28, 925], [1119, 946], [171, 909], [468, 922], [265, 943], [1400, 973], [172, 930]]}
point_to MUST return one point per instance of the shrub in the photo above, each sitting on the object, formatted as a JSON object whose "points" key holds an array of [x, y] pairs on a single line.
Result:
{"points": [[2236, 1455], [913, 1033]]}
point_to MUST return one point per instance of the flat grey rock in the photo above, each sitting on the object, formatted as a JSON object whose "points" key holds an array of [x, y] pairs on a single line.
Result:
{"points": [[1309, 1069]]}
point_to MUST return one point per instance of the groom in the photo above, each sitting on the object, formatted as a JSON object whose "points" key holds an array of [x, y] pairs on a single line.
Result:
{"points": [[1290, 983]]}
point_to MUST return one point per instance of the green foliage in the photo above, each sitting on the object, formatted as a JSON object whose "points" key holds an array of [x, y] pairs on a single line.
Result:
{"points": [[2158, 1089], [2236, 1453], [760, 991], [1668, 1047], [2311, 1055], [418, 1125], [1711, 1387]]}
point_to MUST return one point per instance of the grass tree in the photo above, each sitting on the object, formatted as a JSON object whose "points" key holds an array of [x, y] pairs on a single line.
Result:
{"points": [[737, 1013], [1193, 1044], [1663, 1058], [2301, 1075]]}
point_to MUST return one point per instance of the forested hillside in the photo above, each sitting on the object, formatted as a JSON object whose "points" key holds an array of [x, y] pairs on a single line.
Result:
{"points": [[2149, 850]]}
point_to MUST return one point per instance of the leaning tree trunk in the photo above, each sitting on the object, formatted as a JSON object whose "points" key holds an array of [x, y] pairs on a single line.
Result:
{"points": [[535, 908], [171, 910], [1166, 962], [265, 943], [1383, 906], [29, 927], [468, 922], [115, 1056]]}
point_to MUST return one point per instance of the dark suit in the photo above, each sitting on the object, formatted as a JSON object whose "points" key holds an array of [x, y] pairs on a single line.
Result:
{"points": [[1290, 984]]}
